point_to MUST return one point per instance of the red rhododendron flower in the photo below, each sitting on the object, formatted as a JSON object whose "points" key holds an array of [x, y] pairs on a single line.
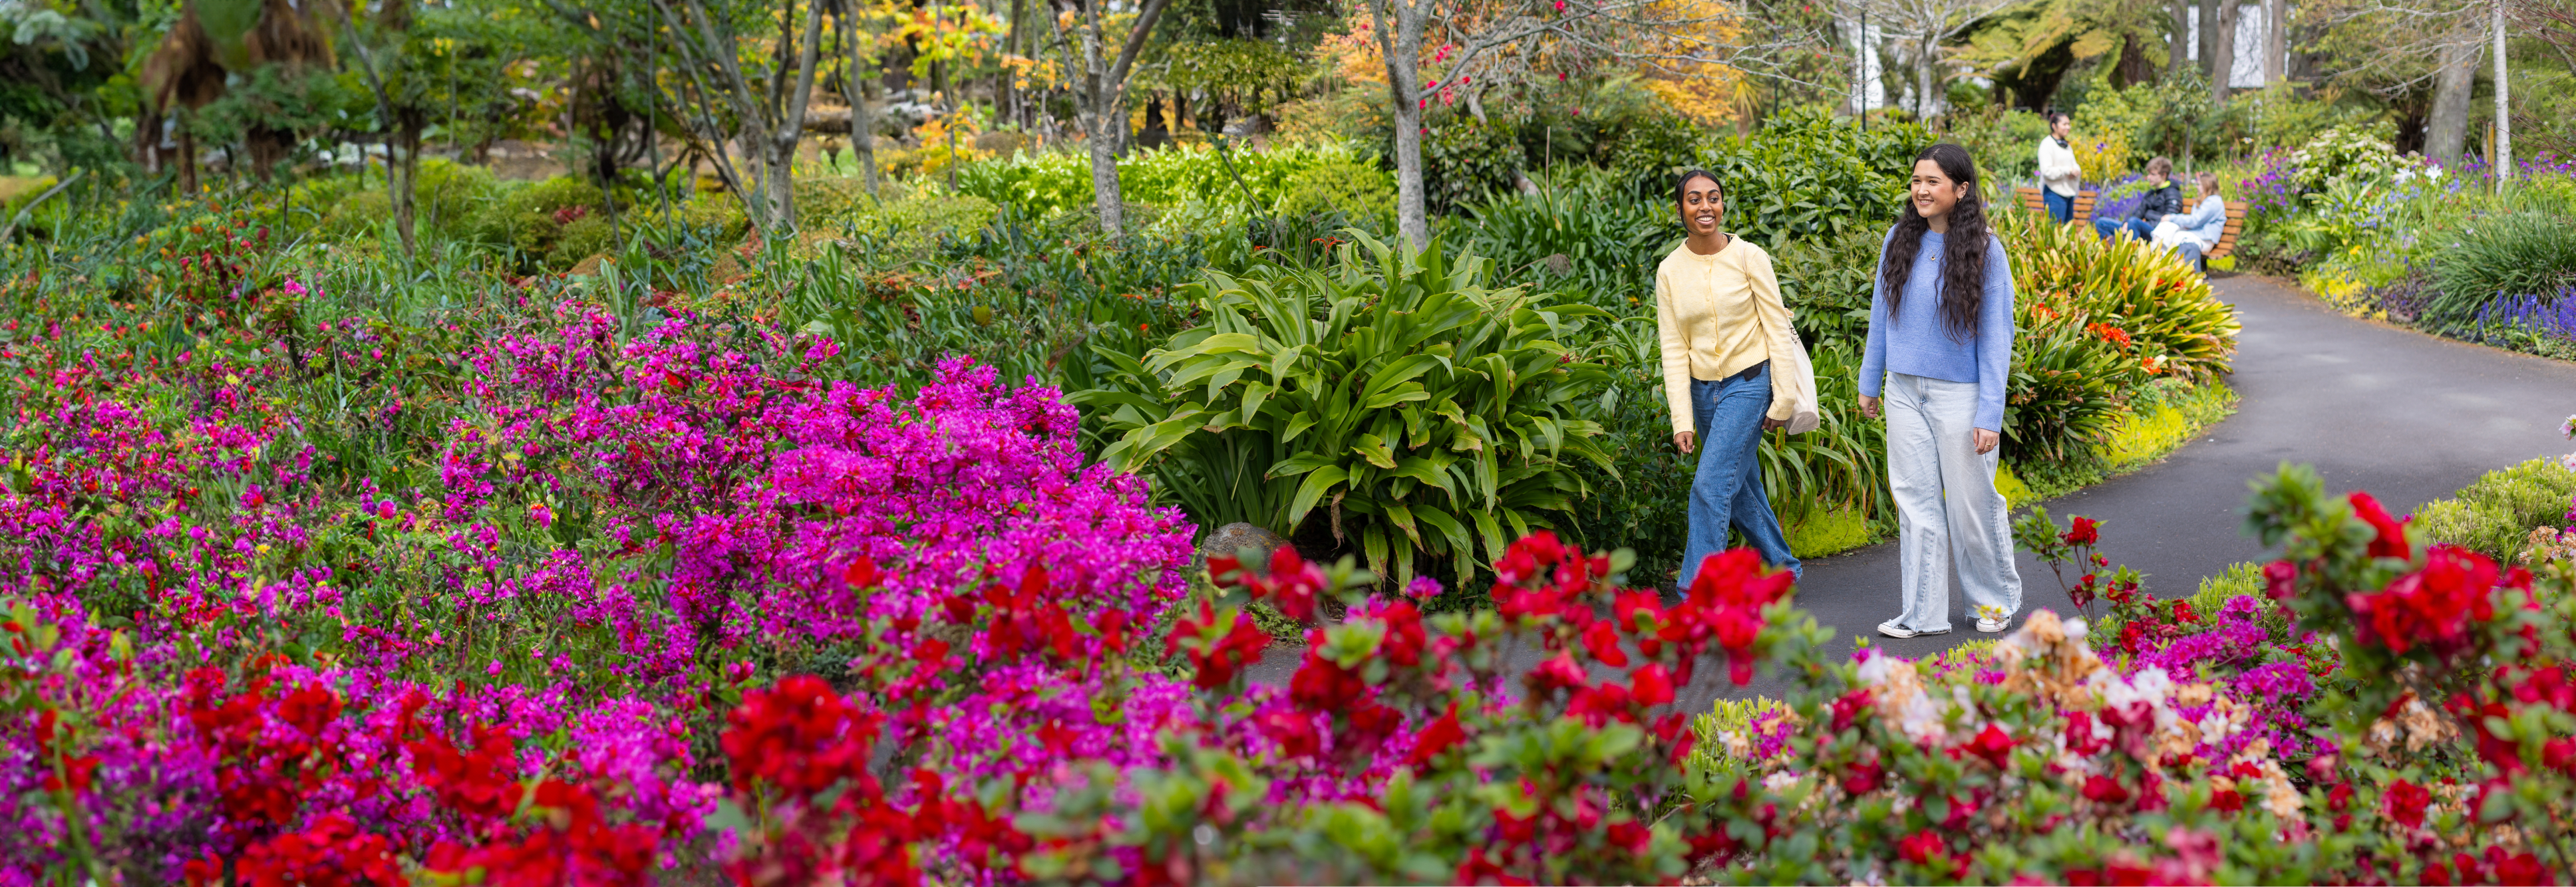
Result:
{"points": [[2280, 580], [1214, 663], [1653, 685], [2391, 541], [2431, 606], [1602, 641], [2083, 531], [2406, 803], [1436, 738], [800, 737], [1294, 731], [2105, 790], [1923, 848], [1994, 745]]}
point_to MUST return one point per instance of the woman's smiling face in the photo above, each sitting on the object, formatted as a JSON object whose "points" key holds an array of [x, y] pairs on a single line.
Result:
{"points": [[1933, 192], [1703, 206]]}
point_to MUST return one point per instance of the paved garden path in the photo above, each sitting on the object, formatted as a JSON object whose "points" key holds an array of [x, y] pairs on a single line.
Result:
{"points": [[2409, 417]]}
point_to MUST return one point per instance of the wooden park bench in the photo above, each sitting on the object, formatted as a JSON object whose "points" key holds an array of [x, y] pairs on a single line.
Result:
{"points": [[2226, 244]]}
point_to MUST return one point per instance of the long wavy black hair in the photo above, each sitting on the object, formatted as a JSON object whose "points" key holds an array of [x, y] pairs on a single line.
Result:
{"points": [[1963, 249]]}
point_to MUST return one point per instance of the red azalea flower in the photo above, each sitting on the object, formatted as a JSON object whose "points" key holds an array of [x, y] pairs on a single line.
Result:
{"points": [[2391, 541], [2103, 789], [2406, 803], [1994, 745], [2083, 531]]}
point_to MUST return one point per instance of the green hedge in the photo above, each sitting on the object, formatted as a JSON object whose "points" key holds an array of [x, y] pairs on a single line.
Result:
{"points": [[2495, 516]]}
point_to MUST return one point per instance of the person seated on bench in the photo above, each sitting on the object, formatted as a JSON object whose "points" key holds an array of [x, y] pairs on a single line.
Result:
{"points": [[2194, 233], [2163, 198]]}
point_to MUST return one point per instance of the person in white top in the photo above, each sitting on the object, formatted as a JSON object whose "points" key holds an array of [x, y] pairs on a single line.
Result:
{"points": [[2059, 174]]}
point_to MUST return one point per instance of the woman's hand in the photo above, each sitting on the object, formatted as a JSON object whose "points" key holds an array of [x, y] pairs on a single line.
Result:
{"points": [[1686, 440], [1869, 406], [1771, 424], [1986, 441]]}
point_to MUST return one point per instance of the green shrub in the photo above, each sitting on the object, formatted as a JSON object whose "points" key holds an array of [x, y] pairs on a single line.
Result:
{"points": [[450, 194], [2357, 153], [2241, 580], [2496, 514], [2005, 142], [1828, 287], [1393, 399], [357, 214], [1465, 160], [1345, 187], [1582, 234], [580, 239], [1805, 174], [2065, 398], [824, 199], [526, 217], [912, 225], [1042, 185], [2511, 254]]}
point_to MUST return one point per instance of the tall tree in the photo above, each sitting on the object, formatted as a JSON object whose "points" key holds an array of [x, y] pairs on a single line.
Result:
{"points": [[2503, 158], [1926, 27], [2446, 130], [858, 75], [2222, 62], [1473, 43], [759, 106], [2276, 41], [1100, 89]]}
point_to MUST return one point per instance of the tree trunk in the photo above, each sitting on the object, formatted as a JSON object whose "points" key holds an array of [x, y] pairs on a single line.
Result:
{"points": [[1923, 80], [1008, 102], [2276, 41], [2223, 61], [2503, 158], [1101, 95], [2208, 37], [1106, 202], [2178, 49], [863, 119], [402, 168], [1402, 46], [2446, 132]]}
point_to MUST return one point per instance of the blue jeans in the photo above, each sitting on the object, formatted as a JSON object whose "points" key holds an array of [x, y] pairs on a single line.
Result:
{"points": [[2110, 228], [2060, 206], [1727, 490]]}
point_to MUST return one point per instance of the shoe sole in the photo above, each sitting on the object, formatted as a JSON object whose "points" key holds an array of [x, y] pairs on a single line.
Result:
{"points": [[1911, 634], [1999, 629]]}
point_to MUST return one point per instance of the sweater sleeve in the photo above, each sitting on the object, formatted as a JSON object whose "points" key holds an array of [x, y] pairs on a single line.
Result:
{"points": [[1676, 354], [1780, 336], [1873, 353], [2211, 209], [1994, 337]]}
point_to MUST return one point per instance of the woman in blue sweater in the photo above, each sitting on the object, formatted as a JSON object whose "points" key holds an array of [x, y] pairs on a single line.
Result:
{"points": [[1941, 330]]}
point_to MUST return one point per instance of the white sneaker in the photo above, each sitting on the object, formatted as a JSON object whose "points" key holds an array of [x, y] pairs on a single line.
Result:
{"points": [[1891, 629], [1992, 626]]}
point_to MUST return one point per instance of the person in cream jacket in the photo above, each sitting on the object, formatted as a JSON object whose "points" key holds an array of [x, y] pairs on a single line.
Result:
{"points": [[1733, 370]]}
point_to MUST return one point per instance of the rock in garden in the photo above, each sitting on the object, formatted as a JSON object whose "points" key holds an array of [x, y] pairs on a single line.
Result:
{"points": [[1234, 537]]}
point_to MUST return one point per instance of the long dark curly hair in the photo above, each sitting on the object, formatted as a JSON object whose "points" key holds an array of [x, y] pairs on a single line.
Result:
{"points": [[1963, 251]]}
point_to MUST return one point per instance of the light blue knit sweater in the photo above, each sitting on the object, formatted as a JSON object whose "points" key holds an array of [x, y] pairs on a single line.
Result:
{"points": [[1916, 344]]}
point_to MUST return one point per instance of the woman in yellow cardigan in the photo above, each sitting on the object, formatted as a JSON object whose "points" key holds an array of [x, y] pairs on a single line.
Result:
{"points": [[1733, 369]]}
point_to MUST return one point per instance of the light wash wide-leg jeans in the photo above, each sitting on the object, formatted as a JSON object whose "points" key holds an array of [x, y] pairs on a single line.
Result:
{"points": [[1727, 490], [1946, 504]]}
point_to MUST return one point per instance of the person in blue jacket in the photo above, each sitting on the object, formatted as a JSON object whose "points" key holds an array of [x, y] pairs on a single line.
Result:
{"points": [[2192, 234], [2163, 198], [1941, 333]]}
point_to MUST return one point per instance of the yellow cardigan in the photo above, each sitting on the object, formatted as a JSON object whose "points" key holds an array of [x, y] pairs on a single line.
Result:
{"points": [[1718, 315]]}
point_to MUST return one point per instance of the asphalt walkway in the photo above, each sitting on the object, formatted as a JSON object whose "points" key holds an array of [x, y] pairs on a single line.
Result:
{"points": [[2407, 416]]}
